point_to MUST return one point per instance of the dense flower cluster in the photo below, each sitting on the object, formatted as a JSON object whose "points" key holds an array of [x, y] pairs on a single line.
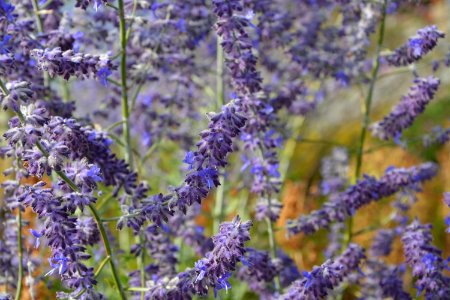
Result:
{"points": [[67, 63], [425, 261], [317, 283], [211, 271]]}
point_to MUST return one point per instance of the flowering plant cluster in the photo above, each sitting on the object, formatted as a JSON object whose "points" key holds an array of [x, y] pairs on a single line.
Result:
{"points": [[148, 148]]}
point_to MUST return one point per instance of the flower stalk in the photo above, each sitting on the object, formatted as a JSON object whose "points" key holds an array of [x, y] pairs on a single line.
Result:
{"points": [[367, 110]]}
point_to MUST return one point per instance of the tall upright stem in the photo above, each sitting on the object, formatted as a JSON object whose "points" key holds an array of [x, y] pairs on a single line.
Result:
{"points": [[367, 109], [219, 205], [273, 247], [40, 28], [123, 74], [75, 188], [39, 24], [124, 36], [20, 254]]}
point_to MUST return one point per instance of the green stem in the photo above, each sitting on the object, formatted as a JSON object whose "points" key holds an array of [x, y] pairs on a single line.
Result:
{"points": [[219, 204], [20, 254], [124, 34], [39, 24], [40, 28], [273, 247], [75, 188], [102, 265], [123, 74], [367, 109], [108, 251]]}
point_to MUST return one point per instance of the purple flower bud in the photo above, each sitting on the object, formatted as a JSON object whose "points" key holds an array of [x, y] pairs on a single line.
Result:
{"points": [[37, 235], [419, 45]]}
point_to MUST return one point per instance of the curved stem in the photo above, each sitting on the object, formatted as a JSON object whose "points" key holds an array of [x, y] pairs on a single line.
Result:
{"points": [[219, 204], [20, 254], [367, 109], [108, 251]]}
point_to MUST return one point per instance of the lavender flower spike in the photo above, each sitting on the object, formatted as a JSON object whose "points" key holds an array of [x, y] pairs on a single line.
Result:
{"points": [[317, 283], [425, 261], [366, 190], [417, 46], [404, 113], [212, 271], [68, 63]]}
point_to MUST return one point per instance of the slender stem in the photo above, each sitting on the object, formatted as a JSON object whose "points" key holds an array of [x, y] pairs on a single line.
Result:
{"points": [[108, 251], [75, 188], [39, 24], [273, 247], [368, 102], [102, 265], [123, 73], [141, 262], [40, 28], [219, 204], [126, 111], [133, 13], [20, 254], [367, 109]]}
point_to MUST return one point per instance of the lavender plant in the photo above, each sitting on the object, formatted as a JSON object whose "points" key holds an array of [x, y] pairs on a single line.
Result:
{"points": [[149, 146]]}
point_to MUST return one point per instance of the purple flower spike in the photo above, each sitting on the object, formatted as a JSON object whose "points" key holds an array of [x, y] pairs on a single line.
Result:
{"points": [[343, 205], [211, 271], [406, 111], [68, 63], [425, 261], [318, 283], [419, 45]]}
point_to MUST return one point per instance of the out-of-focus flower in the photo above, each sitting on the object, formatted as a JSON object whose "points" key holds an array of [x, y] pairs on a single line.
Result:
{"points": [[406, 111]]}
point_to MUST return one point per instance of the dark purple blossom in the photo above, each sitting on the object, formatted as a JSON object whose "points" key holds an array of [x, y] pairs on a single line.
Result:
{"points": [[85, 3], [67, 63], [211, 271], [318, 283], [425, 261]]}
